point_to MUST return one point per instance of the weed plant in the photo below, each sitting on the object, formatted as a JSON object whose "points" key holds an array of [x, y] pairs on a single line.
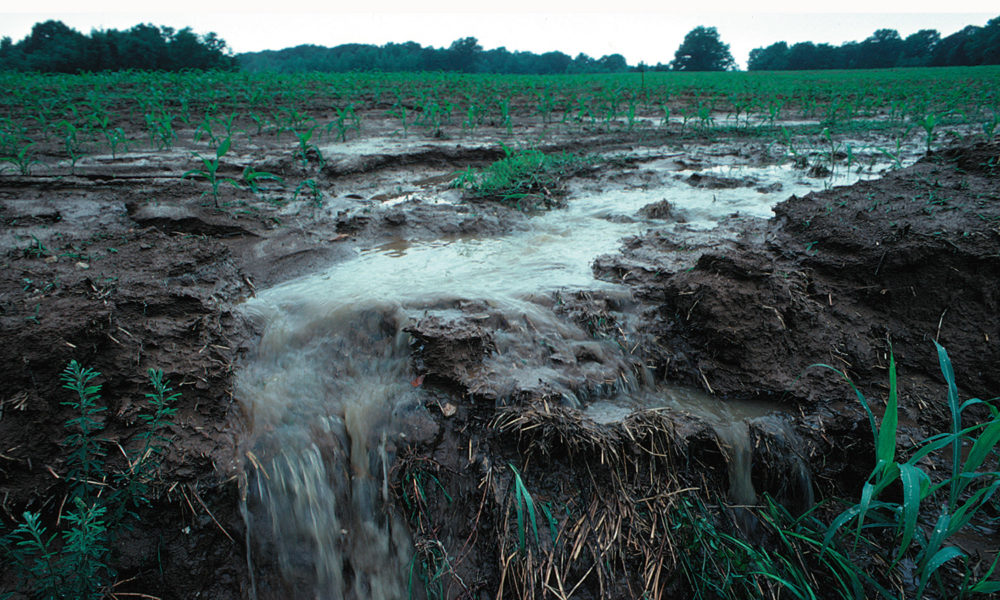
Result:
{"points": [[525, 179], [72, 559]]}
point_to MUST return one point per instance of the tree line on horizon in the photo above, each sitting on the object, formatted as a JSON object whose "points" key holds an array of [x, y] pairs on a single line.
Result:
{"points": [[54, 47], [884, 49]]}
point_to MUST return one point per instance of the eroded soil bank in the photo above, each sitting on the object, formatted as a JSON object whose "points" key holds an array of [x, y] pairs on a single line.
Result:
{"points": [[126, 269]]}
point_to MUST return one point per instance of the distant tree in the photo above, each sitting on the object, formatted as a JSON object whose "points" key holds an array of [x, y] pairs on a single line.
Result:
{"points": [[989, 41], [702, 50], [881, 50], [772, 58], [553, 62], [54, 47], [462, 55], [612, 63], [919, 47], [956, 50]]}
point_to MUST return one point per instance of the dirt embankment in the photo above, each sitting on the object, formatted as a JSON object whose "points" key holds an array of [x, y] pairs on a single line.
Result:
{"points": [[837, 277], [83, 281]]}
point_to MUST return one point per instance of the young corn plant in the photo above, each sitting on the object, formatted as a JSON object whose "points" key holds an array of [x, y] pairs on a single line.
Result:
{"points": [[306, 147], [210, 171], [310, 187], [346, 120], [23, 159], [525, 179], [252, 179], [951, 504], [74, 148]]}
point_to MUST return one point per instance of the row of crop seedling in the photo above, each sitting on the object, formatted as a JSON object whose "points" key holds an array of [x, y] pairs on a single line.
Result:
{"points": [[501, 102]]}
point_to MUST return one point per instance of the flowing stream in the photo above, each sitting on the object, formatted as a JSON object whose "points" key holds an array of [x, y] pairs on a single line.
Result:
{"points": [[330, 383]]}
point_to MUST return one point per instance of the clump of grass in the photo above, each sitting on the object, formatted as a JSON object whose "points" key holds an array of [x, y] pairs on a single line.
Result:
{"points": [[74, 561], [525, 179]]}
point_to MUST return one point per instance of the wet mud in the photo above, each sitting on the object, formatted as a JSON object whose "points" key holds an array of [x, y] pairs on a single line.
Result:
{"points": [[125, 266]]}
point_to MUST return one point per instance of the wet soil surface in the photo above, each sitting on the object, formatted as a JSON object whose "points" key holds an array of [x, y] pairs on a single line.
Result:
{"points": [[124, 266]]}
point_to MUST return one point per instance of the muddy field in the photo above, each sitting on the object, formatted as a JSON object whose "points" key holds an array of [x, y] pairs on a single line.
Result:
{"points": [[668, 349]]}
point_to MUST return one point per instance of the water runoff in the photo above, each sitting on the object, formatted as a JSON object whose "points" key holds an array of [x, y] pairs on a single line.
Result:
{"points": [[330, 382]]}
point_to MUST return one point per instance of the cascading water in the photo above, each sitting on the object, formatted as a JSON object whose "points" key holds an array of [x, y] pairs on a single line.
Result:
{"points": [[330, 384]]}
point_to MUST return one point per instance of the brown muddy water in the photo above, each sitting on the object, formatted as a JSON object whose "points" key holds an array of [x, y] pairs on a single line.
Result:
{"points": [[330, 388]]}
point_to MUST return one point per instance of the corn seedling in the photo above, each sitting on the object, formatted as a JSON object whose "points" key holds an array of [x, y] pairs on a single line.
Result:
{"points": [[962, 495], [315, 193], [305, 147], [161, 130], [252, 179], [526, 179], [210, 169], [929, 122], [346, 120], [23, 159], [399, 111]]}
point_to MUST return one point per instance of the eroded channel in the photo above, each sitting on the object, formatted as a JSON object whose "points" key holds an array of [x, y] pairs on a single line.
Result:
{"points": [[331, 389]]}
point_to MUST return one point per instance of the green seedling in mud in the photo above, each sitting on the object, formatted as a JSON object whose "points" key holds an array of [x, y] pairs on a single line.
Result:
{"points": [[665, 119], [525, 179], [316, 196], [210, 170], [505, 115], [74, 149], [114, 136], [929, 122], [524, 510], [23, 159], [346, 120], [792, 150], [306, 146], [990, 125], [400, 112], [161, 130], [252, 179]]}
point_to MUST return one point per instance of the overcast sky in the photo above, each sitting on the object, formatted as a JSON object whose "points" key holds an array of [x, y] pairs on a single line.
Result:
{"points": [[640, 30]]}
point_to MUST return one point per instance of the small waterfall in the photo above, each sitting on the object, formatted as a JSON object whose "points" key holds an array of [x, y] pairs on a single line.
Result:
{"points": [[735, 439], [325, 393]]}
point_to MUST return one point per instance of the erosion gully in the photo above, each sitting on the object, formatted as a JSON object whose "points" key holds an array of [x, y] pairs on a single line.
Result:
{"points": [[330, 387]]}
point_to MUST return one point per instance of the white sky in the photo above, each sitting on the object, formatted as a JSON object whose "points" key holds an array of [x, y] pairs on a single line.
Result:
{"points": [[641, 30]]}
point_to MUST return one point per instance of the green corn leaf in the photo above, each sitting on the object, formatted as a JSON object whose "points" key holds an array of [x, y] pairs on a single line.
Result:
{"points": [[983, 447], [867, 492], [984, 585], [223, 148], [963, 514], [886, 447], [940, 557], [915, 485], [841, 520], [857, 392]]}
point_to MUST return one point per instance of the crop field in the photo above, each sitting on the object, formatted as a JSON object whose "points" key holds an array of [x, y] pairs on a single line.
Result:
{"points": [[381, 335]]}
